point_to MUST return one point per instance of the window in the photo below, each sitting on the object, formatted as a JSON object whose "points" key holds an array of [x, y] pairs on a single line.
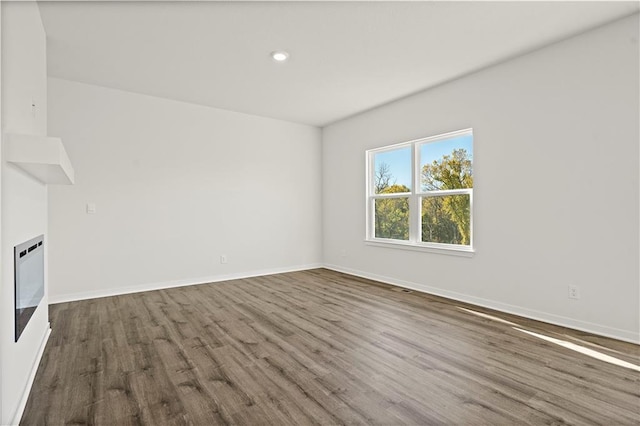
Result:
{"points": [[420, 193]]}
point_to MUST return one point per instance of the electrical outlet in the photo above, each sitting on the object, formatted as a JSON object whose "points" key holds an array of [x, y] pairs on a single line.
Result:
{"points": [[343, 253], [223, 258], [574, 292]]}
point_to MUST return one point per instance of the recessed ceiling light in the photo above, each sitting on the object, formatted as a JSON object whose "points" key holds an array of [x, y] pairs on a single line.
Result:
{"points": [[280, 55]]}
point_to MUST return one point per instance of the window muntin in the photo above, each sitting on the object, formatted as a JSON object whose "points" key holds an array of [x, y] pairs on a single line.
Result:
{"points": [[431, 204]]}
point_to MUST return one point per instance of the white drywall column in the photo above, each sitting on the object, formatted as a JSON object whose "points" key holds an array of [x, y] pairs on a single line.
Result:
{"points": [[23, 199]]}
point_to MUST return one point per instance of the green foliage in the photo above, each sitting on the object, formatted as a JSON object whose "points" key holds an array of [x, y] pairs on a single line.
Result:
{"points": [[394, 189], [392, 214], [447, 219], [450, 172]]}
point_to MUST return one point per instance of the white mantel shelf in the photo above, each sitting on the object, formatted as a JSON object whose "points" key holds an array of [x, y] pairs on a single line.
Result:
{"points": [[42, 157]]}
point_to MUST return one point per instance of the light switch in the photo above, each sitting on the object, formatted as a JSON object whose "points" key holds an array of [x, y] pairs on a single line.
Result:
{"points": [[91, 208]]}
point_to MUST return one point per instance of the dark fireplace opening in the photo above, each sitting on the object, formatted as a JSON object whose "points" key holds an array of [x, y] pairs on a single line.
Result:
{"points": [[28, 280]]}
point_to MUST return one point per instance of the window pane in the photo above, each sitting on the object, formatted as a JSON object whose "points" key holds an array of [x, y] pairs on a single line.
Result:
{"points": [[392, 171], [447, 219], [447, 164], [392, 218]]}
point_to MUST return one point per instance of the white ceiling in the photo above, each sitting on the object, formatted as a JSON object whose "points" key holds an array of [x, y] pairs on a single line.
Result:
{"points": [[346, 57]]}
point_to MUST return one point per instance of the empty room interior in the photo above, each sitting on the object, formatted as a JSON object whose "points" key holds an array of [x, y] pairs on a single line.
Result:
{"points": [[386, 213]]}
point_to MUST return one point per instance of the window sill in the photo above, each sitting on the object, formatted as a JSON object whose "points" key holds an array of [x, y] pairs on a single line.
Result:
{"points": [[446, 250]]}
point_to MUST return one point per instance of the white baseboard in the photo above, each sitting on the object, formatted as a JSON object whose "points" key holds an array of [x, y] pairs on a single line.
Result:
{"points": [[116, 291], [615, 333], [27, 390]]}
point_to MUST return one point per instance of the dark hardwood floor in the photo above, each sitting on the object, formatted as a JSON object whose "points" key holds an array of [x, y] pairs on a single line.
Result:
{"points": [[319, 347]]}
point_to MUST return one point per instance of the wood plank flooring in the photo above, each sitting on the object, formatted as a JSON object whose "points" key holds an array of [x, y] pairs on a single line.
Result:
{"points": [[318, 347]]}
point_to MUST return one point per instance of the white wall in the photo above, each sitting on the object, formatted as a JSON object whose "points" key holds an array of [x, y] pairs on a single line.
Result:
{"points": [[175, 186], [23, 199], [556, 184]]}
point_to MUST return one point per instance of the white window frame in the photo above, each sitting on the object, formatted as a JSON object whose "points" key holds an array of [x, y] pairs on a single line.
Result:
{"points": [[415, 197]]}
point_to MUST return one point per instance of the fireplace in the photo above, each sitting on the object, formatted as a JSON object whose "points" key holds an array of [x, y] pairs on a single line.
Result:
{"points": [[29, 280]]}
